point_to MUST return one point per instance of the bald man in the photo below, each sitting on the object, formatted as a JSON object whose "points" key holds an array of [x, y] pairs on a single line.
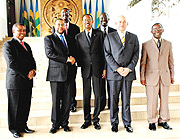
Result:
{"points": [[121, 50]]}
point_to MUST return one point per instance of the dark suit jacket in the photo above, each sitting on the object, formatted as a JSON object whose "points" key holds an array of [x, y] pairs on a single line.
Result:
{"points": [[72, 31], [90, 53], [118, 56], [19, 63], [109, 29], [58, 55]]}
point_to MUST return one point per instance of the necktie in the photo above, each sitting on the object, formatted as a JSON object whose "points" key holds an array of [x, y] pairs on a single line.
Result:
{"points": [[63, 41], [66, 29], [88, 37], [123, 39], [23, 45], [105, 32], [159, 45]]}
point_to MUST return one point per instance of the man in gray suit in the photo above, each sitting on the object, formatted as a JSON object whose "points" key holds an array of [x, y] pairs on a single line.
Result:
{"points": [[57, 48], [121, 52], [90, 58]]}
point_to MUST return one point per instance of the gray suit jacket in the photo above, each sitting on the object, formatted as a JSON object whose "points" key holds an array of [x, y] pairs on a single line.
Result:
{"points": [[58, 55], [118, 56]]}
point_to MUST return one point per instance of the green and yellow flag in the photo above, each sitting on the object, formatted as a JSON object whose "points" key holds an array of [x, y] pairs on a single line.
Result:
{"points": [[26, 22], [32, 32], [37, 21], [96, 16]]}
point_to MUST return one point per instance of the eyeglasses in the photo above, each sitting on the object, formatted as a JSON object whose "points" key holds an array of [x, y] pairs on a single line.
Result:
{"points": [[159, 29]]}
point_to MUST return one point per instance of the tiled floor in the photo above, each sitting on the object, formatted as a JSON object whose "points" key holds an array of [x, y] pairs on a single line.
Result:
{"points": [[141, 131]]}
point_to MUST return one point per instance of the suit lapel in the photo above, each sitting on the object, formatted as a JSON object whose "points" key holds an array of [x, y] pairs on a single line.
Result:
{"points": [[163, 44], [84, 38], [59, 44], [116, 35], [127, 37], [19, 46], [93, 36], [154, 46]]}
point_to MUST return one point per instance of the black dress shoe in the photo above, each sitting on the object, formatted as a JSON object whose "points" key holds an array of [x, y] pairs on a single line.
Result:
{"points": [[67, 129], [128, 128], [53, 130], [27, 130], [73, 109], [85, 125], [114, 128], [165, 125], [152, 126], [16, 134], [97, 126]]}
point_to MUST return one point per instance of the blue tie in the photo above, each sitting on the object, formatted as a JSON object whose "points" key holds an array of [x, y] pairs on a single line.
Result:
{"points": [[62, 39]]}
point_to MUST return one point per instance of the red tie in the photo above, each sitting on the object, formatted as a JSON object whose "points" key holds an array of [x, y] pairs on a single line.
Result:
{"points": [[66, 29], [23, 45]]}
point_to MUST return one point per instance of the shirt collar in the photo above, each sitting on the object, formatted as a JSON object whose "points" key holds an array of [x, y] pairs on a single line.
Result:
{"points": [[67, 24], [156, 40], [59, 34], [121, 33], [17, 39], [102, 28], [90, 32]]}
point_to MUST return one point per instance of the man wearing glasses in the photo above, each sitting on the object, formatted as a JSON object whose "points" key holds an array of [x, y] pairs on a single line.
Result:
{"points": [[157, 73]]}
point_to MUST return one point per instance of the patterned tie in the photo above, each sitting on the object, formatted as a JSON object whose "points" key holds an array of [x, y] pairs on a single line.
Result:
{"points": [[63, 41], [88, 37], [159, 45], [123, 40], [23, 45]]}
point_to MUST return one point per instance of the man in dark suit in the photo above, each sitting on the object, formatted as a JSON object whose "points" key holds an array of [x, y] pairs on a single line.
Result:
{"points": [[104, 18], [122, 54], [91, 60], [71, 30], [20, 72], [57, 49]]}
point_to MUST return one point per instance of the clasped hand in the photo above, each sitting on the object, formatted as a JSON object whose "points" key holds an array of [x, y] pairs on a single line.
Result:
{"points": [[71, 60], [31, 74], [123, 71]]}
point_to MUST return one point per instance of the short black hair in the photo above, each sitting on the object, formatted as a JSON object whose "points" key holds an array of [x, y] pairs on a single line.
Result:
{"points": [[157, 24], [88, 15]]}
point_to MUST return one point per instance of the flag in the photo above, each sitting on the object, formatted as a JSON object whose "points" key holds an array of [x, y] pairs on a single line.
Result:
{"points": [[26, 22], [96, 16], [37, 21], [32, 32], [21, 14], [89, 10], [102, 6], [85, 8]]}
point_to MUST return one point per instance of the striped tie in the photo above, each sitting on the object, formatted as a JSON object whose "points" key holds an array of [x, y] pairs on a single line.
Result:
{"points": [[123, 40]]}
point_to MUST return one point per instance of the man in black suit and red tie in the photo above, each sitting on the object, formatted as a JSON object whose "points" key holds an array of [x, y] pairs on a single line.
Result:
{"points": [[121, 50], [70, 30], [90, 58], [104, 19], [20, 72], [58, 50]]}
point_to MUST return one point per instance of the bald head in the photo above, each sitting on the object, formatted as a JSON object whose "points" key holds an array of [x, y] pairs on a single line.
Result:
{"points": [[121, 23]]}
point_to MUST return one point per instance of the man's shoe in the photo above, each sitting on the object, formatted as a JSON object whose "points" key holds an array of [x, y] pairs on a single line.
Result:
{"points": [[73, 109], [97, 125], [85, 125], [67, 129], [27, 130], [128, 128], [16, 134], [165, 125], [53, 130], [114, 128], [152, 126]]}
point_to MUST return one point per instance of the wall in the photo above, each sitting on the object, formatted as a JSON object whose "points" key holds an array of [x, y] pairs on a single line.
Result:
{"points": [[3, 19]]}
